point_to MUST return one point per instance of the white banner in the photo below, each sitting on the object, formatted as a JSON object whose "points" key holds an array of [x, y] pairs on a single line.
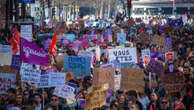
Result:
{"points": [[30, 74], [26, 32], [124, 55], [52, 80]]}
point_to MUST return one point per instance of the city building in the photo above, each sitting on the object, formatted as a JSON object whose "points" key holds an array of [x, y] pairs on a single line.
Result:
{"points": [[143, 8]]}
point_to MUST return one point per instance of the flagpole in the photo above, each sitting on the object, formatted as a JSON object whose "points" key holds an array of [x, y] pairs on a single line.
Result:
{"points": [[173, 7]]}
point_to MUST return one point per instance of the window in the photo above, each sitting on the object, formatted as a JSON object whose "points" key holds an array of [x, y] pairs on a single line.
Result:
{"points": [[139, 11], [152, 11], [181, 10], [192, 10], [167, 11]]}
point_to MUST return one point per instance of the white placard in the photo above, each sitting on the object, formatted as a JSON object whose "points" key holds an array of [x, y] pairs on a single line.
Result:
{"points": [[64, 91], [26, 32], [124, 55]]}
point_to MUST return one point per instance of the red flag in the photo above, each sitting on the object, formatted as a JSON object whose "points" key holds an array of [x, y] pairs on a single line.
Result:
{"points": [[15, 41], [186, 14], [53, 47]]}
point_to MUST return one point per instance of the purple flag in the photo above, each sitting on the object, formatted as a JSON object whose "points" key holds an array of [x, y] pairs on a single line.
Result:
{"points": [[32, 54], [47, 43], [168, 42], [16, 62]]}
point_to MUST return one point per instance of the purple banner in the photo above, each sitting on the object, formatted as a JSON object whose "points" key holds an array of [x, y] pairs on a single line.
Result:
{"points": [[16, 62], [32, 54]]}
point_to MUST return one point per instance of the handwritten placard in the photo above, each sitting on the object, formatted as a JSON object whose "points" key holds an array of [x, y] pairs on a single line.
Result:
{"points": [[80, 66], [132, 79], [103, 76], [96, 98], [124, 55]]}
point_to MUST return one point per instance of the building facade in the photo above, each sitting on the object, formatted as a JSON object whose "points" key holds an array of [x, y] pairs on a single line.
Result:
{"points": [[143, 8]]}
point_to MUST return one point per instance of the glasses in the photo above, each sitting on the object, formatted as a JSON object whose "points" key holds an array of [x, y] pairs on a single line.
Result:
{"points": [[164, 102], [53, 99]]}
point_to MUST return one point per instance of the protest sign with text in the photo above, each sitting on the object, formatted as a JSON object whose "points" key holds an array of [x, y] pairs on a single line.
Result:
{"points": [[26, 32], [103, 76], [64, 91], [146, 56], [29, 74], [132, 79], [80, 66], [6, 54], [124, 55]]}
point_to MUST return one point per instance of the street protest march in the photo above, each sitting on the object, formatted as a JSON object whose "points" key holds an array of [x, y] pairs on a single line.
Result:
{"points": [[127, 65]]}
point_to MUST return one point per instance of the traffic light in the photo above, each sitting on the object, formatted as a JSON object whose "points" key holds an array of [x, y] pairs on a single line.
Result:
{"points": [[129, 3], [53, 12]]}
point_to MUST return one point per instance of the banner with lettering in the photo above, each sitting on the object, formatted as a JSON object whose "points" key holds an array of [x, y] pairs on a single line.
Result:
{"points": [[52, 80], [80, 66], [30, 74], [7, 81], [6, 54], [124, 55], [16, 62], [31, 53]]}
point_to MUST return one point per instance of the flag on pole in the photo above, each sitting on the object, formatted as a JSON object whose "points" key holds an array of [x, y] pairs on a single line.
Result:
{"points": [[15, 41], [53, 47]]}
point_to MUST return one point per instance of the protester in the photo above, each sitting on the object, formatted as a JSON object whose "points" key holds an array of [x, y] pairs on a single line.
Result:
{"points": [[96, 42]]}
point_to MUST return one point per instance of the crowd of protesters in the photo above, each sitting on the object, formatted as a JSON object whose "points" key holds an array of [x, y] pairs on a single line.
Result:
{"points": [[155, 97]]}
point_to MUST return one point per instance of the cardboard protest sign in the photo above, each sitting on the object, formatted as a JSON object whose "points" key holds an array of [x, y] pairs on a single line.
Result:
{"points": [[132, 79], [146, 56], [7, 69], [121, 37], [29, 74], [124, 55], [155, 67], [7, 81], [6, 54], [173, 82], [16, 62], [96, 98], [80, 66], [26, 32], [64, 92], [159, 40], [44, 82], [103, 76]]}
